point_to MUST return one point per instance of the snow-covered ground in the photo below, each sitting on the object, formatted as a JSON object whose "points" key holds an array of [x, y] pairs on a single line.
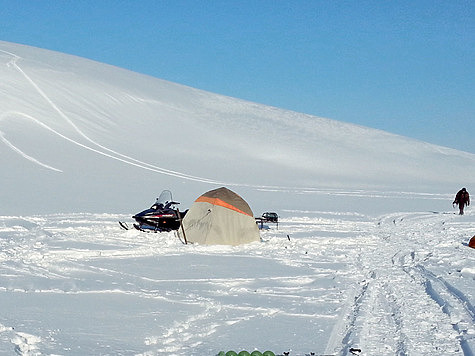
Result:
{"points": [[368, 255], [322, 282]]}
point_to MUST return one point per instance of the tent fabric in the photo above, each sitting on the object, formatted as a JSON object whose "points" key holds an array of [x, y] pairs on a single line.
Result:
{"points": [[226, 198], [220, 217]]}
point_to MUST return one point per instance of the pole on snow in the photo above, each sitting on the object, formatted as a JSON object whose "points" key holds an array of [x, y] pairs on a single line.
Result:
{"points": [[181, 225]]}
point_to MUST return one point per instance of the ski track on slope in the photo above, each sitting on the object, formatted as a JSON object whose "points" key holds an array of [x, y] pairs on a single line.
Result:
{"points": [[109, 153], [24, 155]]}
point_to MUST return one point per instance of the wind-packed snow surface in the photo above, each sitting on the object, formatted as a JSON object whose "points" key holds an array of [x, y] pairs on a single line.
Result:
{"points": [[322, 282], [369, 254]]}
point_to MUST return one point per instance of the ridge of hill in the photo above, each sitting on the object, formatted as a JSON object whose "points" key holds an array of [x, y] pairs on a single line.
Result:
{"points": [[81, 136]]}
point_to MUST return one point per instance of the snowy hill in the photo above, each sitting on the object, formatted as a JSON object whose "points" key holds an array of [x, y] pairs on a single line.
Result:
{"points": [[87, 137], [369, 257]]}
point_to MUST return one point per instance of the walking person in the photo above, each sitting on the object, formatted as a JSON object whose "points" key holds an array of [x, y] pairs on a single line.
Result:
{"points": [[462, 199]]}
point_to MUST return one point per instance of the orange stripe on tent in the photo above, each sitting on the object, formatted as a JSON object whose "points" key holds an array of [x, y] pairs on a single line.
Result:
{"points": [[217, 201]]}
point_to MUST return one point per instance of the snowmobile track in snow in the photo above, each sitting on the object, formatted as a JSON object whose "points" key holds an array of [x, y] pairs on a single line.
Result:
{"points": [[399, 285], [453, 303]]}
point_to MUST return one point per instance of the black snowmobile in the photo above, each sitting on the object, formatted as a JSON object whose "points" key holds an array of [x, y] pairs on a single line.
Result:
{"points": [[161, 217]]}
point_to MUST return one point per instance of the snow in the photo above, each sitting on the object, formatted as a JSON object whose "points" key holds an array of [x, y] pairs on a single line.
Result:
{"points": [[369, 253], [321, 282]]}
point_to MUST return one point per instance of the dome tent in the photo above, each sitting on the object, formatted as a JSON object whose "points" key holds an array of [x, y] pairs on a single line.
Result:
{"points": [[220, 217]]}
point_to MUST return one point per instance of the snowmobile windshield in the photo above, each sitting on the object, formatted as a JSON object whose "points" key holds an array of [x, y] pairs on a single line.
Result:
{"points": [[164, 198]]}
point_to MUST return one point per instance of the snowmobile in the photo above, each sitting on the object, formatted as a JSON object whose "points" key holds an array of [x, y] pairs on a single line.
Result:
{"points": [[162, 216]]}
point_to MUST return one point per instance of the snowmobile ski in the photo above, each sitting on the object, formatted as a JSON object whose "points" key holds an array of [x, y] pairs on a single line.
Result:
{"points": [[123, 225]]}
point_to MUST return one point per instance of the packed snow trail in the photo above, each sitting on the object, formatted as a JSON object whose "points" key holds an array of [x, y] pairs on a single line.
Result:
{"points": [[324, 282], [402, 307]]}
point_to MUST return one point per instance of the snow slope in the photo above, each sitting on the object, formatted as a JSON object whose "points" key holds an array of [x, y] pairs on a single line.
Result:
{"points": [[368, 255], [81, 136]]}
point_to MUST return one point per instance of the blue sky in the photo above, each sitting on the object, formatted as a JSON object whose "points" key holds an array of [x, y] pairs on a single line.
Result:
{"points": [[407, 67]]}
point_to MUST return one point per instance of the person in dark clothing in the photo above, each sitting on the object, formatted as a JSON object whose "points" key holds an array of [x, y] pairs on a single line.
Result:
{"points": [[462, 199]]}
